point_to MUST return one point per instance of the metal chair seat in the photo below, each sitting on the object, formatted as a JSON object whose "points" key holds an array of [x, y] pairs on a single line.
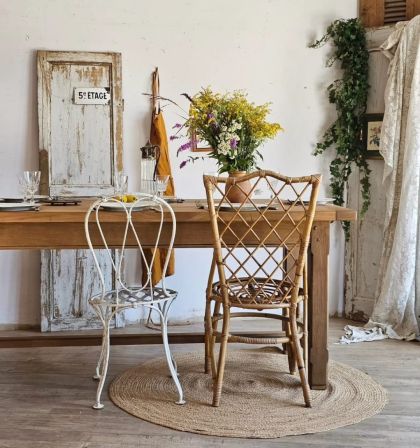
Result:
{"points": [[133, 298]]}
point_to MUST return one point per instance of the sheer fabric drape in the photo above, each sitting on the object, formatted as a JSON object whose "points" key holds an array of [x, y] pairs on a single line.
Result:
{"points": [[395, 314]]}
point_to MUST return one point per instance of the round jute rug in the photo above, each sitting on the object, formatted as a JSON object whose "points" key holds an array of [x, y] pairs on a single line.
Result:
{"points": [[260, 398]]}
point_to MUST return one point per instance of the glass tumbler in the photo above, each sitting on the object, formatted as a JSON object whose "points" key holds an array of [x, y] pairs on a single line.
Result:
{"points": [[161, 183], [120, 183], [29, 182]]}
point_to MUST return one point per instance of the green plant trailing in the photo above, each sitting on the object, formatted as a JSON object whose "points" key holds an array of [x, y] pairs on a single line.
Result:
{"points": [[349, 94]]}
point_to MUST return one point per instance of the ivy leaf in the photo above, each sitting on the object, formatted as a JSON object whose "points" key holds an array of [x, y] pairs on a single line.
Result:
{"points": [[349, 94]]}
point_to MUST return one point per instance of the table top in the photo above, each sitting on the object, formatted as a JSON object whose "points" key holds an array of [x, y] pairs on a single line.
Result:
{"points": [[186, 211]]}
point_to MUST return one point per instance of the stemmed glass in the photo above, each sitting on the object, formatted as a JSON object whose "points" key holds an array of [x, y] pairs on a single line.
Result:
{"points": [[120, 183], [29, 182], [161, 183], [265, 189]]}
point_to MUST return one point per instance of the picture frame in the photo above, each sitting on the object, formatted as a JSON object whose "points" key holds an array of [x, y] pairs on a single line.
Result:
{"points": [[371, 135], [199, 145]]}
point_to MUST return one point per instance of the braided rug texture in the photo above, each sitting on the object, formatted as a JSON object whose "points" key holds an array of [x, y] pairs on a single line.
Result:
{"points": [[260, 399]]}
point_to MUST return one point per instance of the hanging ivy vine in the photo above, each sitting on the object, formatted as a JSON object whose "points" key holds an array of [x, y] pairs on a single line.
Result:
{"points": [[349, 94]]}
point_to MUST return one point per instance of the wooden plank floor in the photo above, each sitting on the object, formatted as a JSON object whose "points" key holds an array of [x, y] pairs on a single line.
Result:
{"points": [[46, 393]]}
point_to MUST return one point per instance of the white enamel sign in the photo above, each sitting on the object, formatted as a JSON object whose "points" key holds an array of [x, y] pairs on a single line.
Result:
{"points": [[92, 95]]}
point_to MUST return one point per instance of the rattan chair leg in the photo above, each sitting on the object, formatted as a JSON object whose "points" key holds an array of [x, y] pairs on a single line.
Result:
{"points": [[213, 366], [305, 334], [299, 358], [218, 384], [284, 328], [207, 317], [305, 314], [212, 340], [208, 335], [290, 352]]}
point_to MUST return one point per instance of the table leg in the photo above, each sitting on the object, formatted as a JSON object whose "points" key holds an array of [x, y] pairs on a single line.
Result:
{"points": [[318, 305]]}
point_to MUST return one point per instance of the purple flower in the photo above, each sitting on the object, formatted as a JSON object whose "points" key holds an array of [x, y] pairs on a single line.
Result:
{"points": [[185, 146], [173, 137], [212, 119], [177, 126], [183, 163], [233, 143]]}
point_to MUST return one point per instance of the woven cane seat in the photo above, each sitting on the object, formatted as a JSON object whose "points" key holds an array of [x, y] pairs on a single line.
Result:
{"points": [[245, 292]]}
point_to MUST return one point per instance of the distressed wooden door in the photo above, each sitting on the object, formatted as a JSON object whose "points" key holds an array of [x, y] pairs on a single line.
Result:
{"points": [[80, 150], [363, 251]]}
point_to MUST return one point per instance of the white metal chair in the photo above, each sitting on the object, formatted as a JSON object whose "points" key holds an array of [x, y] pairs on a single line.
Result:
{"points": [[109, 302]]}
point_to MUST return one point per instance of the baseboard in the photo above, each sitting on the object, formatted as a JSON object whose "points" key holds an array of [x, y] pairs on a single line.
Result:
{"points": [[13, 327]]}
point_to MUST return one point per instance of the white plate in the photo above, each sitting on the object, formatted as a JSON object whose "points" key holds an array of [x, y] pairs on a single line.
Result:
{"points": [[244, 207], [37, 197], [116, 206], [325, 201], [17, 206]]}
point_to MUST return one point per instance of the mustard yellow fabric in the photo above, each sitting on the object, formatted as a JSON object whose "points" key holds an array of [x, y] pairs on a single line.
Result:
{"points": [[159, 137]]}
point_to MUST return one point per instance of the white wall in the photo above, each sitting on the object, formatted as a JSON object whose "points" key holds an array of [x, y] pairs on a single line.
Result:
{"points": [[257, 45]]}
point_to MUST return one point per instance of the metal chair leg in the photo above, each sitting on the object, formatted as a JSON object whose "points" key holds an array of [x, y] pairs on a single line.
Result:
{"points": [[97, 375], [169, 359], [105, 361]]}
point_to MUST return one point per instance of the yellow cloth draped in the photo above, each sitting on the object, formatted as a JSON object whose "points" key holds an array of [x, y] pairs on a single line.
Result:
{"points": [[159, 137]]}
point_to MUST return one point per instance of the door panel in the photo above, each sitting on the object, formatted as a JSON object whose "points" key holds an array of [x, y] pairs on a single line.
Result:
{"points": [[80, 134], [68, 278], [80, 149], [73, 138]]}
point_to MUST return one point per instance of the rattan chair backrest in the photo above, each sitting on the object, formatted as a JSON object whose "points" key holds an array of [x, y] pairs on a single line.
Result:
{"points": [[260, 245]]}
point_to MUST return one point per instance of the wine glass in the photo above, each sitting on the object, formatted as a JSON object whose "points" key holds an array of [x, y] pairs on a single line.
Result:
{"points": [[265, 189], [29, 182], [161, 183], [120, 183]]}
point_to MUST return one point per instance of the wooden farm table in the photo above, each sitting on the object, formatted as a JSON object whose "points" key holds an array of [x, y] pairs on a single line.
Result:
{"points": [[61, 227]]}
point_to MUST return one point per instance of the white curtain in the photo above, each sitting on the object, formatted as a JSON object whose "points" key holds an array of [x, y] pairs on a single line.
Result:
{"points": [[394, 313]]}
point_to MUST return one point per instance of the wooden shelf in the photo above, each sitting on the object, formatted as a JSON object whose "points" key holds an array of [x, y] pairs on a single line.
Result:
{"points": [[133, 335]]}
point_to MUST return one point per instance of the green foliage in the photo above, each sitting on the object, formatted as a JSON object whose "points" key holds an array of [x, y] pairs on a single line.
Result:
{"points": [[349, 94]]}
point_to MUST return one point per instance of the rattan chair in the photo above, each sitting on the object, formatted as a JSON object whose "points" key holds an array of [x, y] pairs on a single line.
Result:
{"points": [[260, 264], [109, 302]]}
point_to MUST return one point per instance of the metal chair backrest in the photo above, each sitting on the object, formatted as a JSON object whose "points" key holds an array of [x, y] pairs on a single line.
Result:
{"points": [[260, 249], [95, 223]]}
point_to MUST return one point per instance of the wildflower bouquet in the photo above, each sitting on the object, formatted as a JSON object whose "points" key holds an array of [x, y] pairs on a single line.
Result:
{"points": [[233, 127]]}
